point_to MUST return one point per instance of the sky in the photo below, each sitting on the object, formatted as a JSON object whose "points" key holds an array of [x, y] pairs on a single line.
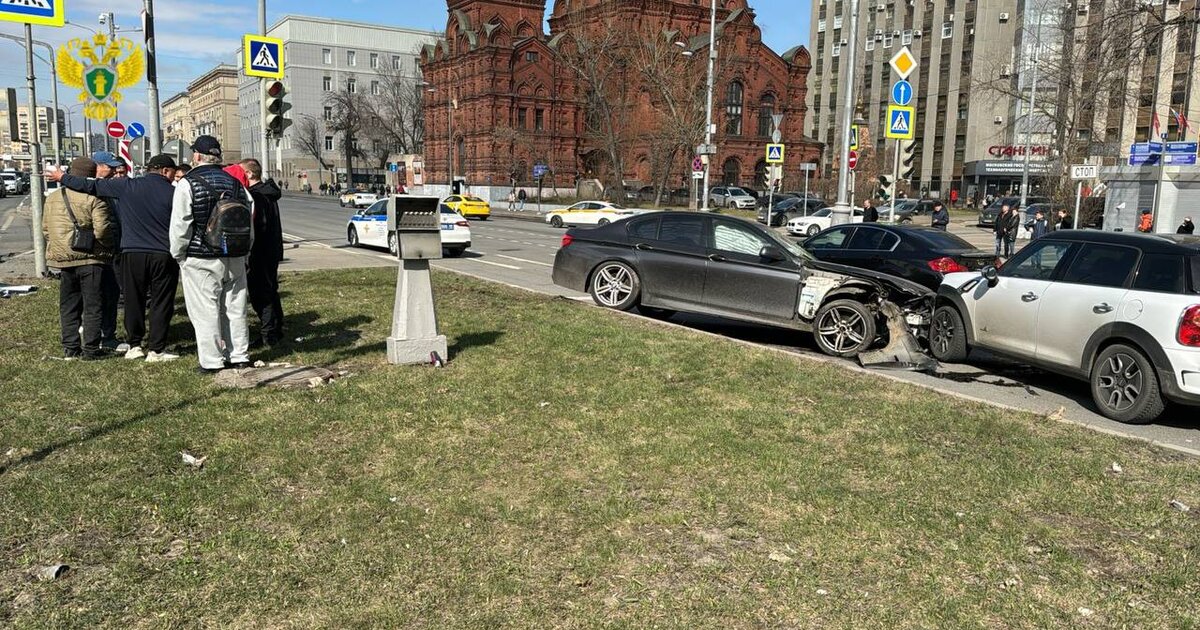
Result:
{"points": [[194, 35]]}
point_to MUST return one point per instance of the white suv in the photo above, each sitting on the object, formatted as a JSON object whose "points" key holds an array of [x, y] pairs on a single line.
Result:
{"points": [[1120, 310], [730, 197]]}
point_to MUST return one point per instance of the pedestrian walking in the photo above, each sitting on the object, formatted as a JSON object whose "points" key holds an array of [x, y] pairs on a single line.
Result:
{"points": [[1187, 227], [79, 243], [1146, 222], [210, 237], [870, 212], [1012, 225], [1000, 227], [953, 197], [941, 216], [521, 200], [147, 268], [512, 200], [1037, 226], [1064, 221], [262, 275]]}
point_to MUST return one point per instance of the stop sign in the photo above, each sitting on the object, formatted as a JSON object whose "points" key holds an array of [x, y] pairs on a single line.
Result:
{"points": [[116, 129], [852, 161]]}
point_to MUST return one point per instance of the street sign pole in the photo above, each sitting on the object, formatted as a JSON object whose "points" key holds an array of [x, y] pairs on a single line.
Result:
{"points": [[36, 198], [841, 209], [154, 133], [895, 183], [264, 152], [708, 107], [1078, 199]]}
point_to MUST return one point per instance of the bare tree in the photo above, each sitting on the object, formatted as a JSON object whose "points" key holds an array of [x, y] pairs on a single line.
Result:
{"points": [[349, 117], [309, 136], [397, 110]]}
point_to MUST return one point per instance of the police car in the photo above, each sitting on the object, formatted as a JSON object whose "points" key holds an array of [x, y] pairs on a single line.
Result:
{"points": [[369, 227]]}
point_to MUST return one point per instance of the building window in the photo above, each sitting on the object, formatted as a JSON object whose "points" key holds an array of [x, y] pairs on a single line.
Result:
{"points": [[870, 44], [539, 119], [521, 122], [947, 29], [326, 56], [766, 109], [395, 62], [532, 56], [821, 25], [328, 113], [375, 60], [906, 37], [837, 22], [887, 40], [733, 108], [327, 84], [352, 86], [375, 91], [837, 50], [328, 143], [351, 58]]}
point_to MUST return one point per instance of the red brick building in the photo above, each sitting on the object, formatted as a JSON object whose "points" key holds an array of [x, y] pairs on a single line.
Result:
{"points": [[505, 96]]}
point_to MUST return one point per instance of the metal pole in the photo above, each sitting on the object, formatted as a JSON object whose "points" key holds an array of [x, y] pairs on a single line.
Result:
{"points": [[54, 133], [708, 108], [36, 198], [841, 209], [1029, 117], [449, 143], [806, 171], [1162, 157], [112, 37], [154, 124], [1078, 198], [895, 184], [264, 152]]}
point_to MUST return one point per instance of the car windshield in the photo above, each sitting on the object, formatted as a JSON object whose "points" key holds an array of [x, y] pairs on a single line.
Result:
{"points": [[616, 206], [823, 212], [469, 198], [737, 191]]}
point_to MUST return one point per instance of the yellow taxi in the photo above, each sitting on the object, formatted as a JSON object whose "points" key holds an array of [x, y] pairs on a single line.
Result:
{"points": [[469, 206]]}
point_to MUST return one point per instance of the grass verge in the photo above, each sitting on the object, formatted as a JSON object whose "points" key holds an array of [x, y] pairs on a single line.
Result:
{"points": [[568, 468]]}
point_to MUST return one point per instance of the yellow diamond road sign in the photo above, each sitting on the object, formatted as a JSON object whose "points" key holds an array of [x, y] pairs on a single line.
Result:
{"points": [[904, 63]]}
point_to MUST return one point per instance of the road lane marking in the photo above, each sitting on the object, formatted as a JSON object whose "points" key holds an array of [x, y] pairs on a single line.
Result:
{"points": [[488, 262], [532, 262]]}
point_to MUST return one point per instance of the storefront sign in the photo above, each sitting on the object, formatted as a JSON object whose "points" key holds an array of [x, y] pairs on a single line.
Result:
{"points": [[1009, 150]]}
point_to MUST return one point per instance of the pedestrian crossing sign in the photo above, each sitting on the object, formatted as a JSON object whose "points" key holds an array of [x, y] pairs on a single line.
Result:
{"points": [[264, 56], [900, 122], [40, 12], [775, 153]]}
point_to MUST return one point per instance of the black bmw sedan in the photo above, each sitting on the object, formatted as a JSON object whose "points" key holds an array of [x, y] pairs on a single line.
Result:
{"points": [[920, 254], [729, 267]]}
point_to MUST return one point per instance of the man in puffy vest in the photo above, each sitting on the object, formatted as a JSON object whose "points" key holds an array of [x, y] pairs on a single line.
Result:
{"points": [[214, 282]]}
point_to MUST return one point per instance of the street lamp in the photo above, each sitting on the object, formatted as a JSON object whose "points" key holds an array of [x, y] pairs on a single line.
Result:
{"points": [[841, 209], [708, 108], [54, 122]]}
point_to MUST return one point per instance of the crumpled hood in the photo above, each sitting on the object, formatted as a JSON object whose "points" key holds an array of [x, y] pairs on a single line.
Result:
{"points": [[900, 284], [268, 189]]}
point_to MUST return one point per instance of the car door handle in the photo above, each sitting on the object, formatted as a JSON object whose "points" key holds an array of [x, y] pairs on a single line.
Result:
{"points": [[717, 258], [1029, 297], [1101, 308], [643, 247]]}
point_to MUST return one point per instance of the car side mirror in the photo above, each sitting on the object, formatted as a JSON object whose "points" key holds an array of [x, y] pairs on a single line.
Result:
{"points": [[991, 275], [771, 253]]}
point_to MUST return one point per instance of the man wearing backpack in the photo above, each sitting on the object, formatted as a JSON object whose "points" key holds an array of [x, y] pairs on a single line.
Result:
{"points": [[211, 235]]}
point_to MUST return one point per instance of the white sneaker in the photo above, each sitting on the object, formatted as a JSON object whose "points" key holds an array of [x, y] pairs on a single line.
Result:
{"points": [[160, 357], [134, 353], [122, 348]]}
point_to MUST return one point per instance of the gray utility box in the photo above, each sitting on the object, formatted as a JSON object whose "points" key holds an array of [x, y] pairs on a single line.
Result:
{"points": [[416, 221]]}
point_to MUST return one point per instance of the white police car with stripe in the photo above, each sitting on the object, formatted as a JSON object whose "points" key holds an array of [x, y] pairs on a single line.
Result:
{"points": [[369, 227]]}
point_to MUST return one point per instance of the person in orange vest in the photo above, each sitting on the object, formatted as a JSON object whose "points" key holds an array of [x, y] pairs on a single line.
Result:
{"points": [[1146, 222]]}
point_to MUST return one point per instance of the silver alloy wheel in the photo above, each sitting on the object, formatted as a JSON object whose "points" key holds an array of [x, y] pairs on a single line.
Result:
{"points": [[612, 285], [352, 236], [393, 246], [1121, 381], [842, 328], [942, 334]]}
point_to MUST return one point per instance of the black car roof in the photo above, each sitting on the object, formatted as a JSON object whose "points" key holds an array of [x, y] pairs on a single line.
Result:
{"points": [[1153, 243]]}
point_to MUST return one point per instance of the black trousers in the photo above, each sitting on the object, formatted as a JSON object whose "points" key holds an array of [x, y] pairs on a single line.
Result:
{"points": [[156, 275], [262, 282], [110, 298], [79, 301]]}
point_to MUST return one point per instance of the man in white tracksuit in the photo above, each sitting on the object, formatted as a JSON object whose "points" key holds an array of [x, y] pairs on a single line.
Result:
{"points": [[214, 285]]}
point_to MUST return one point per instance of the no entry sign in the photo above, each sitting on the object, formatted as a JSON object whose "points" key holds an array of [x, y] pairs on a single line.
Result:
{"points": [[853, 161], [116, 129]]}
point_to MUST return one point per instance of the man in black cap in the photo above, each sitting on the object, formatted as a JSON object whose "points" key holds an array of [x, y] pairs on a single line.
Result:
{"points": [[146, 262], [214, 280]]}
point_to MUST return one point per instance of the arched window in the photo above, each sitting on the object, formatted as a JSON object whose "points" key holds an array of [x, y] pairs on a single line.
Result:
{"points": [[733, 108], [766, 109], [731, 172]]}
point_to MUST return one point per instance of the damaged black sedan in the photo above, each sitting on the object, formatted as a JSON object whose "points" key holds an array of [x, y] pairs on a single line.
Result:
{"points": [[668, 262]]}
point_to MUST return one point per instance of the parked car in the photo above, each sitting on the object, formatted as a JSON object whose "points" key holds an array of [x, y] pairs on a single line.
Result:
{"points": [[469, 206], [730, 197], [921, 254], [12, 183], [589, 213], [357, 199], [776, 197], [789, 208], [1119, 310], [369, 227], [819, 220], [730, 267], [987, 216], [681, 196]]}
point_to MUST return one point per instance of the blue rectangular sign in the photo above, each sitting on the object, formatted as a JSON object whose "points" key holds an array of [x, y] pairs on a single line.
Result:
{"points": [[1179, 159], [1143, 159], [1142, 148], [1183, 147]]}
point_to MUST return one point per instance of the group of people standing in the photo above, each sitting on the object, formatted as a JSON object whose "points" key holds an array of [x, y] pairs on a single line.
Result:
{"points": [[150, 233], [1008, 227]]}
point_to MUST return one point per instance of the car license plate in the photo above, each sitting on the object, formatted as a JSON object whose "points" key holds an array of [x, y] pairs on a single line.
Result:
{"points": [[447, 226]]}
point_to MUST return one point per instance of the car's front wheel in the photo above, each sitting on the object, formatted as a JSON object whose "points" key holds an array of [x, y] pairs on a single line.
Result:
{"points": [[602, 222], [813, 230], [948, 335], [1125, 385], [352, 236], [556, 221], [844, 328], [615, 285], [393, 246]]}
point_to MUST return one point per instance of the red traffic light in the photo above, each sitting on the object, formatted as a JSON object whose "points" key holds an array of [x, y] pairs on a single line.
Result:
{"points": [[275, 89]]}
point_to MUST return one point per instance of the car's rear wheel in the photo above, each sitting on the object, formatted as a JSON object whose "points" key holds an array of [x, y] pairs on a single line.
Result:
{"points": [[352, 236], [844, 328], [1125, 385], [393, 246], [813, 229], [948, 335], [603, 222], [556, 221], [615, 285]]}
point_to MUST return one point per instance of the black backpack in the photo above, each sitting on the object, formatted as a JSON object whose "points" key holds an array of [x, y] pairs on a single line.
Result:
{"points": [[229, 226]]}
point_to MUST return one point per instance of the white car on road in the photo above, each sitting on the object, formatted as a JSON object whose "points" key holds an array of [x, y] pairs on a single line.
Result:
{"points": [[589, 213], [357, 199], [731, 197], [369, 227], [817, 221]]}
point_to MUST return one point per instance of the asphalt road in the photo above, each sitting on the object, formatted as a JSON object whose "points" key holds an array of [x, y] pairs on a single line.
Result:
{"points": [[16, 239]]}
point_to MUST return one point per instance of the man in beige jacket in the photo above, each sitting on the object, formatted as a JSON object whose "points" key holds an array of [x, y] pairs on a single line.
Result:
{"points": [[79, 288]]}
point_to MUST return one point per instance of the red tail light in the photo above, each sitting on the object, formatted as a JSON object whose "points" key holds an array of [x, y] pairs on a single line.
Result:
{"points": [[567, 239], [946, 265], [1189, 327], [462, 224]]}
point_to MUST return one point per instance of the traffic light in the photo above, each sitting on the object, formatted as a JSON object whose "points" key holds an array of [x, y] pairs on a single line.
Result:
{"points": [[886, 187], [907, 166], [276, 109]]}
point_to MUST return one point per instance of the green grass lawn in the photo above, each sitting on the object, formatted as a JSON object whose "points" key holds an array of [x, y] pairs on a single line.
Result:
{"points": [[567, 468]]}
